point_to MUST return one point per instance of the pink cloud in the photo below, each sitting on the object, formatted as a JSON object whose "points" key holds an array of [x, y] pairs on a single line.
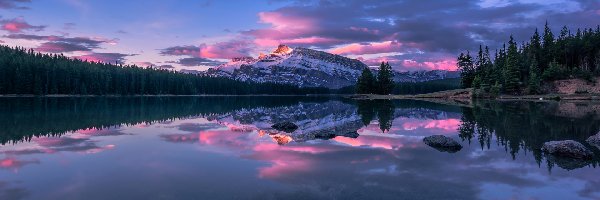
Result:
{"points": [[371, 48], [220, 50], [265, 42], [18, 25], [448, 64], [290, 30]]}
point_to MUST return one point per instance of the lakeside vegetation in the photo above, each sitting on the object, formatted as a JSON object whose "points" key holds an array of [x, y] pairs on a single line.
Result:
{"points": [[25, 72], [382, 84], [523, 69]]}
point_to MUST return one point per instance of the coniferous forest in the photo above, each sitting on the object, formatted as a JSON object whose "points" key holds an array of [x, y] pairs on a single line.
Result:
{"points": [[383, 84], [523, 68], [28, 72]]}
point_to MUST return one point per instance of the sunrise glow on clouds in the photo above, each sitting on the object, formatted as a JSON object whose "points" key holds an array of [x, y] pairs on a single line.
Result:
{"points": [[196, 35]]}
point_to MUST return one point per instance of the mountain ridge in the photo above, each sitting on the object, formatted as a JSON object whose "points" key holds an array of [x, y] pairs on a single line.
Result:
{"points": [[305, 67]]}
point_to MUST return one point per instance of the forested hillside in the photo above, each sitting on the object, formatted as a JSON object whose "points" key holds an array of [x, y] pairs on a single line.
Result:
{"points": [[27, 72], [522, 68], [427, 86]]}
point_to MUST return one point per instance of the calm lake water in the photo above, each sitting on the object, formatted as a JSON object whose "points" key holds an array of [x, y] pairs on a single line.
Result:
{"points": [[224, 148]]}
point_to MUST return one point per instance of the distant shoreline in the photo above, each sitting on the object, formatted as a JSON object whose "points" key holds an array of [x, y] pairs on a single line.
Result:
{"points": [[465, 94]]}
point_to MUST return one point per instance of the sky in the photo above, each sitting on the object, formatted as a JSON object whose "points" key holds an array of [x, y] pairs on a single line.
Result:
{"points": [[196, 35]]}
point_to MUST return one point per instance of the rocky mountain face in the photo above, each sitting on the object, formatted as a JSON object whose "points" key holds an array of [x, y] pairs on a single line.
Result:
{"points": [[307, 68]]}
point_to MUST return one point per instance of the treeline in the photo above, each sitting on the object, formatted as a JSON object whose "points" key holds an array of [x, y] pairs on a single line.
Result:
{"points": [[382, 84], [427, 86], [521, 69], [28, 72]]}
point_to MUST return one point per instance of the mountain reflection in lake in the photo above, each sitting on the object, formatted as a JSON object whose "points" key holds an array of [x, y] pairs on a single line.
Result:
{"points": [[224, 148]]}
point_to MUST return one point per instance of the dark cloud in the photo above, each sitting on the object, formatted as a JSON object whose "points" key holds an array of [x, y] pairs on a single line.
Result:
{"points": [[113, 58], [59, 47], [13, 4], [181, 51], [60, 44], [190, 62], [165, 67]]}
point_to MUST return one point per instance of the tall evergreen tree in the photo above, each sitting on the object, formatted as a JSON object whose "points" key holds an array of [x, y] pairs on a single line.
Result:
{"points": [[511, 68], [385, 81], [535, 78], [366, 82], [547, 48], [467, 69]]}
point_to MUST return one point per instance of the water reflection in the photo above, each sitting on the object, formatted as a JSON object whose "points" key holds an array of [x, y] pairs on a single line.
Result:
{"points": [[201, 148]]}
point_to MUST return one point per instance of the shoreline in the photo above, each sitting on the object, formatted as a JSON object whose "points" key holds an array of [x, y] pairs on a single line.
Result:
{"points": [[465, 95]]}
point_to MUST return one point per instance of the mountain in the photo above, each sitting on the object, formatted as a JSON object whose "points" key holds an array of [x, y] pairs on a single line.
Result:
{"points": [[301, 66], [308, 68], [422, 76]]}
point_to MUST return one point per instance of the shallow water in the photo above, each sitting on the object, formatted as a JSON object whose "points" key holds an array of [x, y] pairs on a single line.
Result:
{"points": [[224, 148]]}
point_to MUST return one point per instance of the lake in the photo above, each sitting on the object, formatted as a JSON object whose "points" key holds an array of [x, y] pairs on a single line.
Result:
{"points": [[224, 148]]}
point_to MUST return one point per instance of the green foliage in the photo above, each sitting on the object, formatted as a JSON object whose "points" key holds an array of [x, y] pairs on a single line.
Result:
{"points": [[27, 72], [534, 78], [555, 72], [383, 85], [385, 81], [366, 82], [427, 86], [543, 58], [511, 68], [467, 69], [495, 89]]}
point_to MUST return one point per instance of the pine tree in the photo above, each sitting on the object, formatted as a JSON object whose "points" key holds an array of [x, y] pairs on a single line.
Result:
{"points": [[366, 82], [535, 78], [547, 48], [385, 82], [467, 69], [511, 68]]}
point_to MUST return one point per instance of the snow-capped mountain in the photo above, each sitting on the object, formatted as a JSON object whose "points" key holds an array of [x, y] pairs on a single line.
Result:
{"points": [[302, 67], [307, 68]]}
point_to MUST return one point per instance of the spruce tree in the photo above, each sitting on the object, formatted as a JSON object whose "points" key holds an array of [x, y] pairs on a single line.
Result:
{"points": [[385, 82], [366, 82], [467, 69], [511, 68], [547, 48], [535, 78]]}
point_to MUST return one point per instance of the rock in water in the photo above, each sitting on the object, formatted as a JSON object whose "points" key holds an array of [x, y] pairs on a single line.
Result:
{"points": [[442, 143], [594, 140], [285, 127], [567, 148]]}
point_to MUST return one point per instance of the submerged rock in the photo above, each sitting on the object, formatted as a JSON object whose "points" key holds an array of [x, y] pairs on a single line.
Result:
{"points": [[442, 143], [594, 140], [285, 127], [567, 148]]}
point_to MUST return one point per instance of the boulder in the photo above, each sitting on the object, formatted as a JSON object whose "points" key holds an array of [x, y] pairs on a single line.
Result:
{"points": [[287, 127], [567, 148], [442, 143], [594, 140]]}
